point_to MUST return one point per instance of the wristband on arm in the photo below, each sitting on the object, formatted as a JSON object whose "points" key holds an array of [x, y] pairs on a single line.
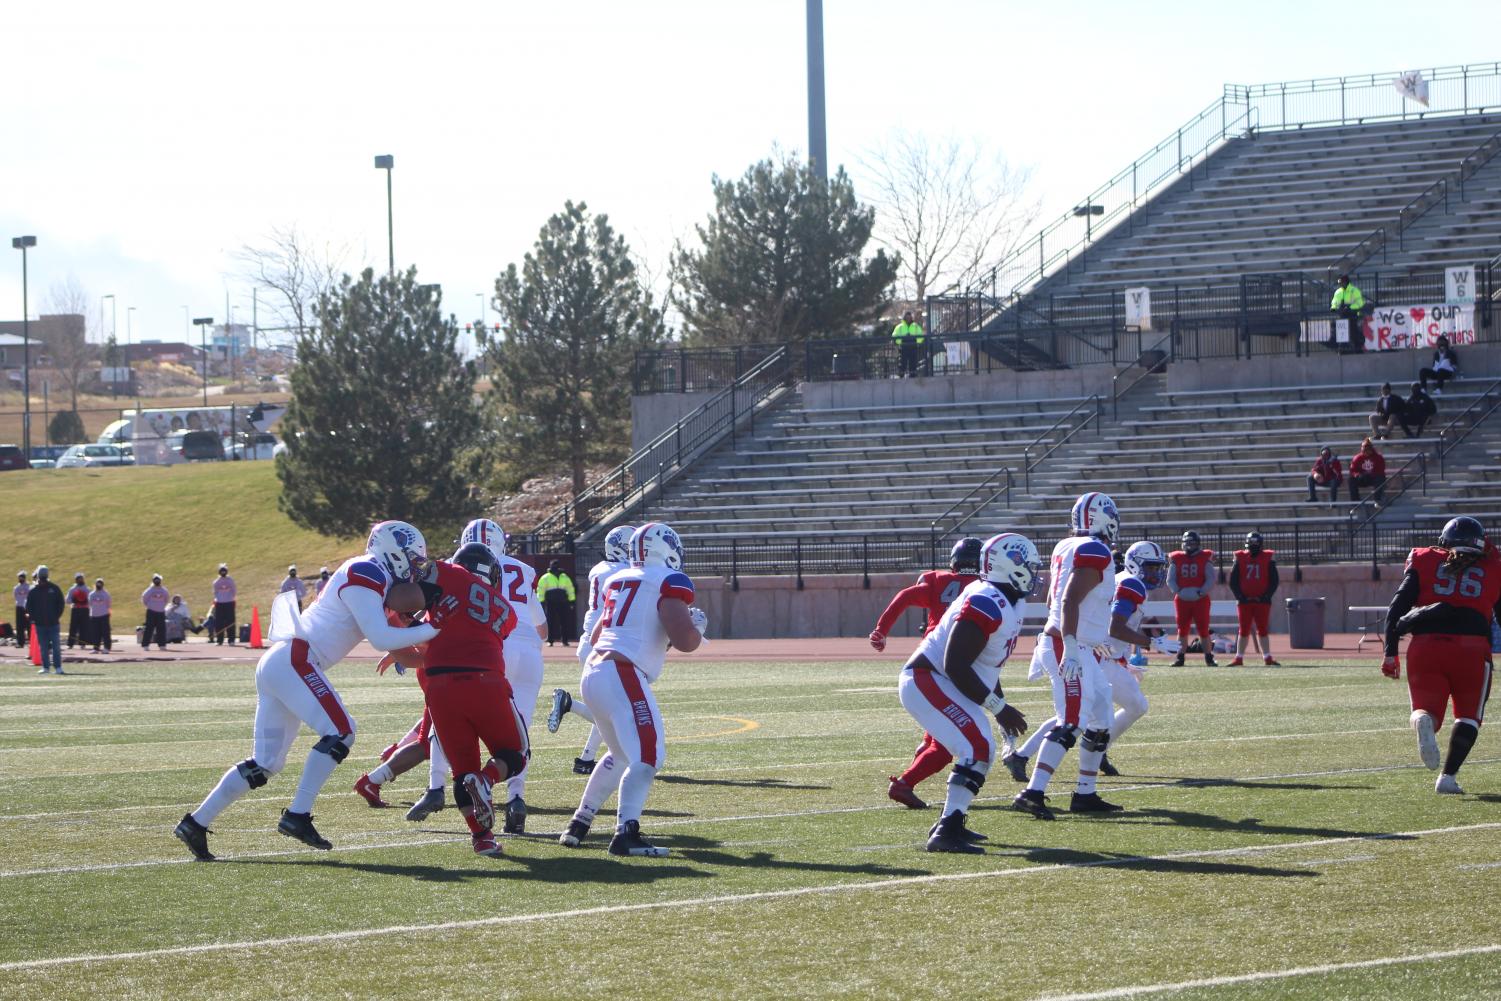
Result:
{"points": [[995, 703]]}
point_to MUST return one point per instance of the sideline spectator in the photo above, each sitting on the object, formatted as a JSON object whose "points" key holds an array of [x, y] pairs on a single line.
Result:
{"points": [[155, 598], [323, 576], [23, 621], [1326, 472], [1368, 469], [1347, 304], [223, 614], [179, 620], [44, 605], [99, 604], [78, 612], [911, 343], [1253, 581], [1417, 410], [292, 583], [556, 590], [1445, 366], [1389, 410]]}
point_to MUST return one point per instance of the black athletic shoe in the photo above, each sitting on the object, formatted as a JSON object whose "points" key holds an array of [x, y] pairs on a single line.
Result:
{"points": [[561, 703], [516, 816], [1091, 802], [430, 803], [583, 766], [575, 835], [1209, 660], [628, 841], [950, 835], [1035, 803], [300, 826], [1179, 661], [1016, 765], [195, 836], [1106, 768]]}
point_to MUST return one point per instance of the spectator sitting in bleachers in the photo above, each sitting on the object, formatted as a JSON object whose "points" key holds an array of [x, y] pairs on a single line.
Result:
{"points": [[1368, 469], [1388, 412], [1326, 472], [1417, 410], [1445, 366]]}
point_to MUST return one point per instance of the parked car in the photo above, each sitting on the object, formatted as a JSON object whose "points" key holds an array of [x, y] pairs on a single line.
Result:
{"points": [[46, 456], [257, 445], [93, 456], [11, 457], [195, 446]]}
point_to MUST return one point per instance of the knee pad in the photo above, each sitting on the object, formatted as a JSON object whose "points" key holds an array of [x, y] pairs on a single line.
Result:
{"points": [[335, 746], [514, 761], [1096, 740], [254, 775], [1064, 734], [461, 797], [967, 776]]}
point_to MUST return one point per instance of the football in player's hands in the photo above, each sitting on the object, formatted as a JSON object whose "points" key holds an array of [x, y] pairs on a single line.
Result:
{"points": [[878, 639], [1391, 667], [405, 598], [699, 619]]}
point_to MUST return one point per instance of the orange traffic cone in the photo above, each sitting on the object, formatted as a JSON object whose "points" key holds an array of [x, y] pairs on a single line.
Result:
{"points": [[36, 649], [256, 643]]}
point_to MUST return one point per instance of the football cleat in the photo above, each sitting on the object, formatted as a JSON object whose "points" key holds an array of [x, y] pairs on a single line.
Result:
{"points": [[583, 766], [950, 835], [561, 703], [300, 826], [1016, 765], [1178, 661], [628, 841], [516, 816], [478, 788], [575, 835], [430, 803], [1106, 768], [1090, 802], [1427, 739], [195, 836], [1238, 662], [1209, 660], [485, 844], [371, 792], [386, 754], [903, 794], [1033, 802], [1448, 785], [1270, 662]]}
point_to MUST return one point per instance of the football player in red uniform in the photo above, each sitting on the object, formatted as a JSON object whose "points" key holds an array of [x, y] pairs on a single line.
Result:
{"points": [[934, 591], [1449, 596], [1188, 577], [1253, 581]]}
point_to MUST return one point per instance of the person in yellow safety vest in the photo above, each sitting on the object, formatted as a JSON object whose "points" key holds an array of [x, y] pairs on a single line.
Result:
{"points": [[555, 588], [909, 338], [1347, 305]]}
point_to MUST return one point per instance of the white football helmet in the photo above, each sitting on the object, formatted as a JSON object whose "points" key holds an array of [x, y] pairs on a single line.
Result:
{"points": [[1146, 562], [618, 544], [1012, 560], [486, 533], [1095, 514], [656, 545], [399, 548]]}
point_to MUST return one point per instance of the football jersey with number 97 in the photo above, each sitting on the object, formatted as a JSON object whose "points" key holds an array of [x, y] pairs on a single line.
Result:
{"points": [[631, 625], [474, 620]]}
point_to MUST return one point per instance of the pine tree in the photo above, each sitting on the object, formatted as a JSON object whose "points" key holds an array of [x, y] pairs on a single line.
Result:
{"points": [[383, 420], [573, 316], [780, 259]]}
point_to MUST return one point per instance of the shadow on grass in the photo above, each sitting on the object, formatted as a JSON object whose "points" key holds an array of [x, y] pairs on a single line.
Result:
{"points": [[708, 852], [1179, 781], [1246, 825], [741, 783], [577, 867], [1113, 860]]}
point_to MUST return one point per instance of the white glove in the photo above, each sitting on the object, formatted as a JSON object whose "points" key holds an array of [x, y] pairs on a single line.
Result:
{"points": [[1071, 666], [699, 619], [1191, 593]]}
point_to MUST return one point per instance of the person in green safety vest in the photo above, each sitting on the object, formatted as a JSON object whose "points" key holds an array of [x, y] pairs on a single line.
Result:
{"points": [[910, 342], [555, 588], [1348, 302]]}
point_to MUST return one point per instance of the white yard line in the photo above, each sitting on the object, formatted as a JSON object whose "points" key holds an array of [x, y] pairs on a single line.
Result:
{"points": [[1250, 978], [902, 882]]}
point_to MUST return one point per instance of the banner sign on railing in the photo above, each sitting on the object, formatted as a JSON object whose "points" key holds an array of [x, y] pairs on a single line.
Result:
{"points": [[1392, 328], [1459, 285], [1139, 308]]}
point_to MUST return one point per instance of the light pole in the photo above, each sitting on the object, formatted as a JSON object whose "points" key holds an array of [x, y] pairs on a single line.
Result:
{"points": [[386, 162], [113, 386], [130, 339], [22, 243], [203, 323], [1088, 210]]}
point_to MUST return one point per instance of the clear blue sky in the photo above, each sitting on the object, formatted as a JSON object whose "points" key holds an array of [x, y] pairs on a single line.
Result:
{"points": [[142, 144]]}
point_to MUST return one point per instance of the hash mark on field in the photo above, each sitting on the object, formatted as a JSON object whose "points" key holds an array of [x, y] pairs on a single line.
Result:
{"points": [[900, 882], [1480, 865], [1337, 861]]}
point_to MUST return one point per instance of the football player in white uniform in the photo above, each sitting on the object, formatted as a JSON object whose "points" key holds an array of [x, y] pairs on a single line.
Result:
{"points": [[292, 686], [647, 608], [617, 557], [1078, 621], [1146, 568], [956, 670]]}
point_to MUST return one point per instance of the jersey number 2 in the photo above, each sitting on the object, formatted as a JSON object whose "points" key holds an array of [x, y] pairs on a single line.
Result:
{"points": [[517, 593]]}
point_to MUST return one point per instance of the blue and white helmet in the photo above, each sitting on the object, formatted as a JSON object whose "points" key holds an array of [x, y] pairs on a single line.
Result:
{"points": [[656, 545], [1095, 514], [399, 548], [486, 533], [1012, 560], [1147, 563], [618, 544]]}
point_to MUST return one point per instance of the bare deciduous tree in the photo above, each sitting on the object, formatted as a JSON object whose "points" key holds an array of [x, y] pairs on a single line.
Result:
{"points": [[949, 208], [66, 335], [296, 271]]}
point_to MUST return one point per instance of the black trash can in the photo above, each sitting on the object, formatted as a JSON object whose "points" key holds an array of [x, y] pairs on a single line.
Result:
{"points": [[1305, 623]]}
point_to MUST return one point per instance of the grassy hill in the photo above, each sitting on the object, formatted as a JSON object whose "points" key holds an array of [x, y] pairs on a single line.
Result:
{"points": [[178, 521]]}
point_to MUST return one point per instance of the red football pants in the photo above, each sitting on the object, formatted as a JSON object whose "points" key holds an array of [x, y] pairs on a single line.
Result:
{"points": [[471, 707], [1194, 614], [1254, 616], [1441, 669]]}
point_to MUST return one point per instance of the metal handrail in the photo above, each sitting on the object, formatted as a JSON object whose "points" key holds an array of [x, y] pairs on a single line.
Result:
{"points": [[1006, 470], [1421, 461], [1028, 465], [1116, 392]]}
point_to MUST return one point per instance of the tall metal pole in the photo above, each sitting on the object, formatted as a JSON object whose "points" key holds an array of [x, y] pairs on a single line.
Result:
{"points": [[386, 162], [818, 146], [25, 358]]}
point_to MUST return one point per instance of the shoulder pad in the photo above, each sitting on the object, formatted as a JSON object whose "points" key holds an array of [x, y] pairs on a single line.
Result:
{"points": [[677, 585], [1131, 586], [370, 574]]}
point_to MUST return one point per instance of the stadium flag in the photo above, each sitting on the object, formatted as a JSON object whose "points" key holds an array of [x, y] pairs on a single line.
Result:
{"points": [[36, 649], [1139, 308], [256, 643], [1459, 286], [1412, 86]]}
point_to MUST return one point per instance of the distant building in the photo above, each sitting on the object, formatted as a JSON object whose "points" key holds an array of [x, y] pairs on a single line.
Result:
{"points": [[177, 352], [12, 344]]}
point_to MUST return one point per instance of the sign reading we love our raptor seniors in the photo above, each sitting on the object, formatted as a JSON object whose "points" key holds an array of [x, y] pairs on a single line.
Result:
{"points": [[1391, 328]]}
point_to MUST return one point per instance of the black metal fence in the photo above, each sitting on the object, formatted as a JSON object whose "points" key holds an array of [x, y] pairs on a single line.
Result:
{"points": [[694, 370]]}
